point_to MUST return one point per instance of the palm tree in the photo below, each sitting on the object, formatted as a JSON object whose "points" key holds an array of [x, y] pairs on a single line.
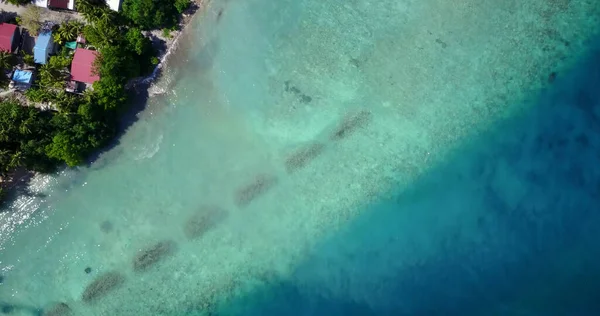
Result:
{"points": [[5, 157], [17, 160], [24, 128], [6, 60], [68, 32], [107, 15], [4, 134], [90, 11], [52, 76], [15, 112]]}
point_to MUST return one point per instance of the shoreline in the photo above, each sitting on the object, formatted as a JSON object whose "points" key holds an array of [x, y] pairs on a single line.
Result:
{"points": [[17, 182], [139, 88], [167, 45]]}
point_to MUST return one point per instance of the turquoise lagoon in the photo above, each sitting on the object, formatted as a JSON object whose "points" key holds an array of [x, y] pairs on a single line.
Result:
{"points": [[337, 158]]}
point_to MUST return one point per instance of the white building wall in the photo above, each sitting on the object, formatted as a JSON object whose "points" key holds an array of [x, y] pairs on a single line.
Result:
{"points": [[113, 4], [42, 3]]}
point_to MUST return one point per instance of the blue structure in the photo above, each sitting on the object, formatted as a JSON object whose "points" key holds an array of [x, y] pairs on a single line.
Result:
{"points": [[22, 76], [43, 47]]}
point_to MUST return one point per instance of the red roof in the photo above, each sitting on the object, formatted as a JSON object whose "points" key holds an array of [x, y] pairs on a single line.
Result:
{"points": [[6, 36], [59, 4], [83, 65]]}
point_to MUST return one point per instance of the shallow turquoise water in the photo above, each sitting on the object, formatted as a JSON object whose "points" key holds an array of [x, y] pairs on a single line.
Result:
{"points": [[466, 190]]}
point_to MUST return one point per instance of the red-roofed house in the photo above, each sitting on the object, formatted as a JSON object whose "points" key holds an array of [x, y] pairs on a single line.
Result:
{"points": [[9, 37], [61, 4], [82, 67]]}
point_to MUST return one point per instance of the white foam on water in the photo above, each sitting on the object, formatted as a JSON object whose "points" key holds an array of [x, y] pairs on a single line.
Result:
{"points": [[149, 151]]}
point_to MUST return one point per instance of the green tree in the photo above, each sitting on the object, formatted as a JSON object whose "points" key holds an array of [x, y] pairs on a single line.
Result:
{"points": [[90, 9], [5, 158], [110, 94], [182, 5], [102, 34], [67, 102], [7, 60], [31, 19], [66, 148], [137, 42], [17, 160], [54, 73], [6, 63], [28, 59], [117, 63], [17, 2], [150, 14], [67, 32], [24, 133], [74, 144], [39, 95]]}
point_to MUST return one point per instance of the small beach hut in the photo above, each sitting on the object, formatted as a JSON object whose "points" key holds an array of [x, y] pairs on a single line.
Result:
{"points": [[9, 37], [82, 67], [21, 79], [44, 46]]}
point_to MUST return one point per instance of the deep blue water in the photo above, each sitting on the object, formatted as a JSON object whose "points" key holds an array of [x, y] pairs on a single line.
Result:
{"points": [[534, 250]]}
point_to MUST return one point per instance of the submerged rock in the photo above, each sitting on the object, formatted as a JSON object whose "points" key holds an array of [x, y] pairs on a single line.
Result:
{"points": [[350, 124], [303, 156], [7, 308], [148, 257], [88, 270], [552, 77], [106, 227], [258, 187], [102, 285], [59, 309], [204, 220]]}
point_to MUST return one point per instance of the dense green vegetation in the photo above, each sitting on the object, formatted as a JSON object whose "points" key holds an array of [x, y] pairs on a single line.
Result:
{"points": [[67, 32], [7, 61], [56, 71], [17, 2], [25, 132], [41, 140], [153, 14], [31, 19]]}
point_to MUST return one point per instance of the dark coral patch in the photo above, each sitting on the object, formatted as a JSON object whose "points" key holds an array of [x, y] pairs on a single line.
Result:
{"points": [[102, 285], [248, 193], [59, 309], [350, 124], [150, 256], [303, 156], [204, 220]]}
